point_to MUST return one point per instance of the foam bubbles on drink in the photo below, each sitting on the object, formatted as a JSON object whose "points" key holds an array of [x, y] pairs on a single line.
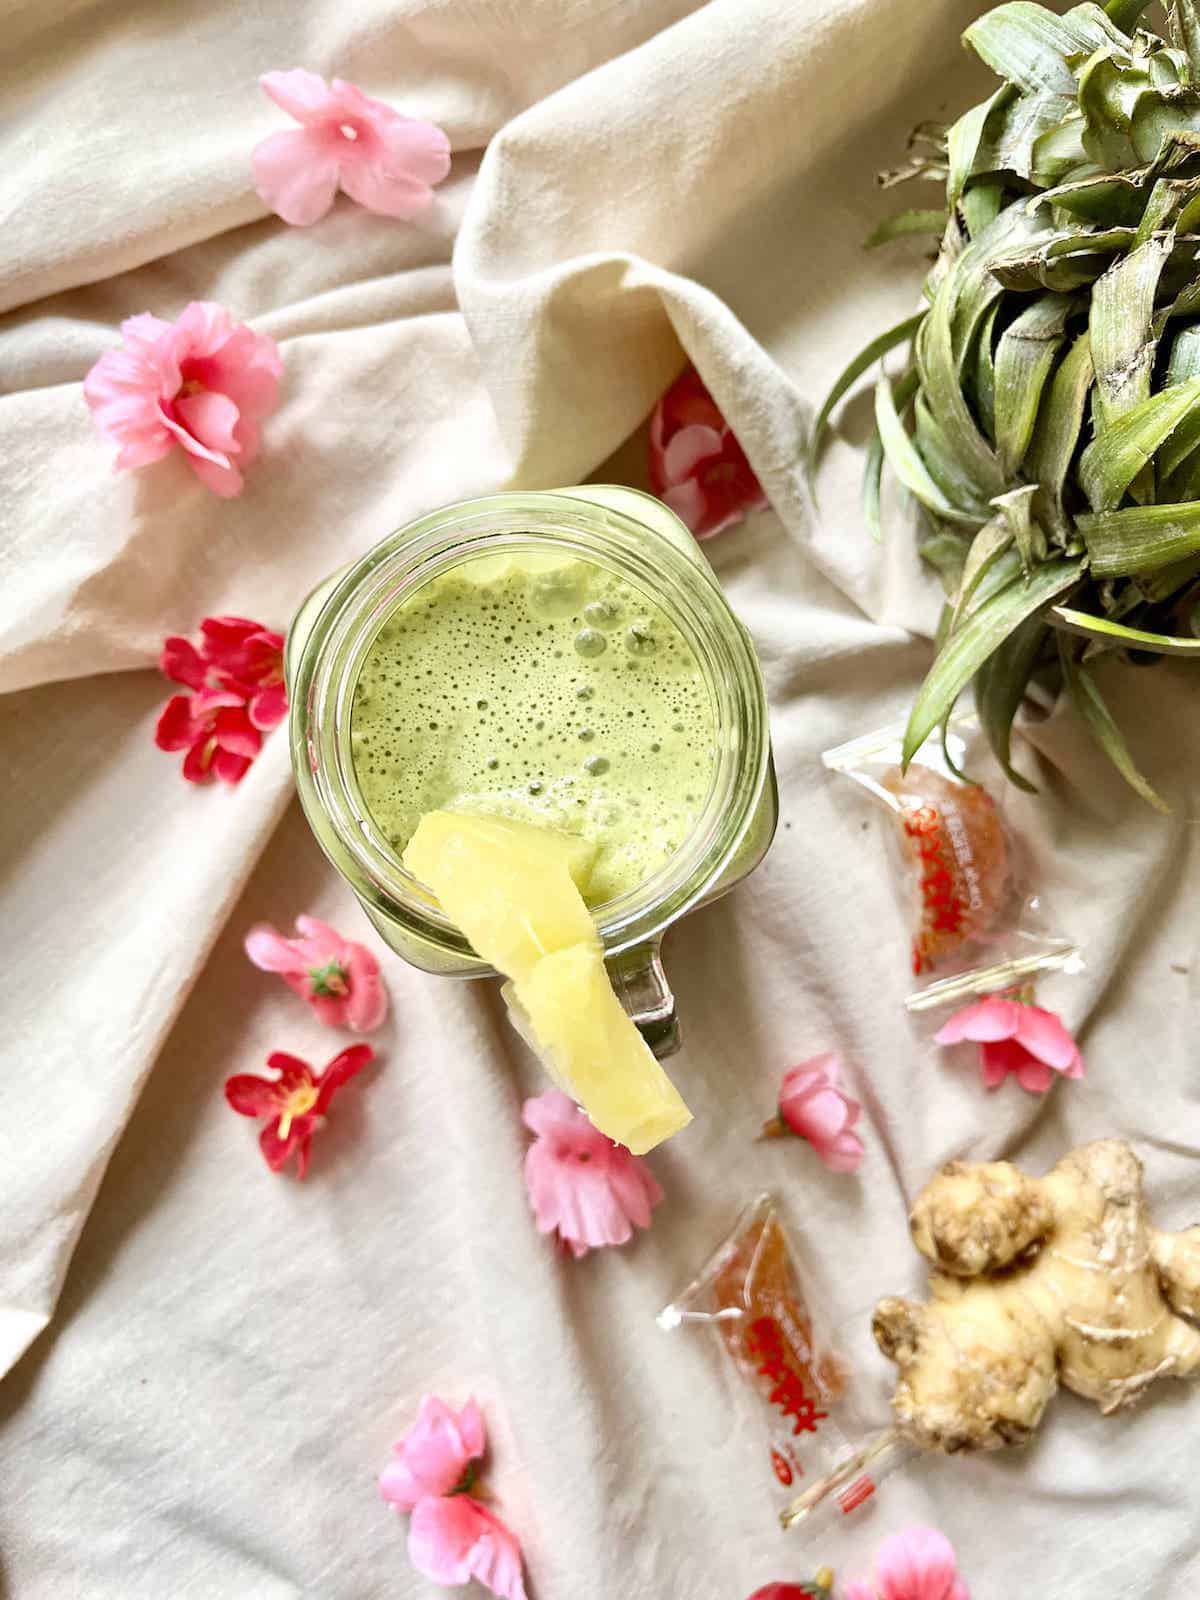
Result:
{"points": [[560, 695]]}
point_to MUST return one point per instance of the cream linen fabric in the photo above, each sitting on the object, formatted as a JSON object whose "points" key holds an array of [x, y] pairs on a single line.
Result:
{"points": [[232, 1353]]}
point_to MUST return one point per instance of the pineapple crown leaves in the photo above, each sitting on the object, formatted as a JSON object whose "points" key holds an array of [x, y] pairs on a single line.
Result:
{"points": [[1047, 423]]}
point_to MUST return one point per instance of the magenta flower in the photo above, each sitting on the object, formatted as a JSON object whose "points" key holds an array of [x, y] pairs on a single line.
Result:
{"points": [[455, 1539], [203, 383], [813, 1105], [918, 1564], [236, 675], [214, 728], [234, 654], [451, 1537], [296, 1101], [697, 466], [339, 978], [583, 1187], [1018, 1038], [386, 161]]}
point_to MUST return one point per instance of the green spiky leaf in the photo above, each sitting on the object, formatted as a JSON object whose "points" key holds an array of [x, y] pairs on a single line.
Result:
{"points": [[971, 645]]}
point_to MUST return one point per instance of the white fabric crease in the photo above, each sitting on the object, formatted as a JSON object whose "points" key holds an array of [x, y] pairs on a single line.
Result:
{"points": [[231, 1354]]}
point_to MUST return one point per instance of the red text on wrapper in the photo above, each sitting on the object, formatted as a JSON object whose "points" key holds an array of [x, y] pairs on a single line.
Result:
{"points": [[765, 1344], [943, 910]]}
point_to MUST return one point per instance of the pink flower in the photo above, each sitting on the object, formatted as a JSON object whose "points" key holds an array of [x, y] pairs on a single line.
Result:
{"points": [[917, 1564], [455, 1539], [296, 1101], [697, 467], [451, 1538], [813, 1104], [581, 1185], [338, 978], [1016, 1037], [385, 161], [203, 382], [437, 1455]]}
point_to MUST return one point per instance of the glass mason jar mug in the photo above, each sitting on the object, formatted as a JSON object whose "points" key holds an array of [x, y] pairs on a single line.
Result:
{"points": [[642, 543]]}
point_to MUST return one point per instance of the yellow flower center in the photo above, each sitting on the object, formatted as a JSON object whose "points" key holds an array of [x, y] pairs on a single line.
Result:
{"points": [[298, 1104], [190, 386]]}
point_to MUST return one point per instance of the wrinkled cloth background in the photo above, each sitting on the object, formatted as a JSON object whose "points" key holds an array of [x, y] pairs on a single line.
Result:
{"points": [[211, 1362]]}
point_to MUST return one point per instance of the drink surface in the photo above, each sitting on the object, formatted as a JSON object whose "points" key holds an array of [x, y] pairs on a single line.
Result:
{"points": [[545, 689]]}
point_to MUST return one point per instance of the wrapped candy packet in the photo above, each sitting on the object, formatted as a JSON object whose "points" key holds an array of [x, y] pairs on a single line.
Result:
{"points": [[977, 922], [749, 1297]]}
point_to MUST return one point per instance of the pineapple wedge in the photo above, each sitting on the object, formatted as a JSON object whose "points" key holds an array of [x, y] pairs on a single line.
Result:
{"points": [[510, 887], [514, 891], [567, 1010]]}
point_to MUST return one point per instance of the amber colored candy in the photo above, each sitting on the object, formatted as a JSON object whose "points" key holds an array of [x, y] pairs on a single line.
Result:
{"points": [[772, 1339], [952, 838]]}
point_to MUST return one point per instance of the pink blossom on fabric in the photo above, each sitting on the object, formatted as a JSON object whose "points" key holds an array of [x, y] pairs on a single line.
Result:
{"points": [[584, 1188], [452, 1540], [697, 466], [203, 383], [339, 978], [918, 1564], [813, 1104], [451, 1537], [386, 161], [436, 1456], [236, 675], [1015, 1037]]}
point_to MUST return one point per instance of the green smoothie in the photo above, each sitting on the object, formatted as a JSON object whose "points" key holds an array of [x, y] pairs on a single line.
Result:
{"points": [[542, 688]]}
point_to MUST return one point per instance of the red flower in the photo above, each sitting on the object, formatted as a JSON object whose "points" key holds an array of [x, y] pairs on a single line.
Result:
{"points": [[819, 1589], [214, 729], [296, 1101], [237, 678], [697, 467]]}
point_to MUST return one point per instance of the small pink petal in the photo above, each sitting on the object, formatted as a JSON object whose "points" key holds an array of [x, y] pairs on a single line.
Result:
{"points": [[367, 1004], [687, 450], [1035, 1076], [225, 482], [917, 1564], [687, 501], [843, 1154], [195, 448], [1044, 1036], [451, 1541], [177, 727], [180, 661], [1002, 1056], [270, 951], [1075, 1070], [236, 734], [296, 175], [990, 1018], [418, 148], [230, 768], [819, 1116], [251, 1096], [387, 193], [303, 95], [211, 419], [321, 942], [268, 707]]}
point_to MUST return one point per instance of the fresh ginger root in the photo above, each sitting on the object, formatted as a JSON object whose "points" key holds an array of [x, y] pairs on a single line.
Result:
{"points": [[1039, 1281]]}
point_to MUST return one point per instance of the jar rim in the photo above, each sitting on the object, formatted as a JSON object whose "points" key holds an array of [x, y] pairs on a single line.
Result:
{"points": [[683, 586]]}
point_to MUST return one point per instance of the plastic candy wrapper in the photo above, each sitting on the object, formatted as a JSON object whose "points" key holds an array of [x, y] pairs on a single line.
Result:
{"points": [[748, 1296], [977, 923]]}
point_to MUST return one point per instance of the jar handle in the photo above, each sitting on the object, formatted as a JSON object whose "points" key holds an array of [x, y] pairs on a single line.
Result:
{"points": [[641, 987]]}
